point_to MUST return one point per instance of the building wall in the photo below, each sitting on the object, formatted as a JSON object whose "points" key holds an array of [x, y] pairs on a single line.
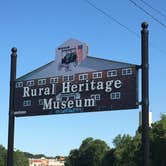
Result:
{"points": [[46, 162], [140, 118], [104, 102]]}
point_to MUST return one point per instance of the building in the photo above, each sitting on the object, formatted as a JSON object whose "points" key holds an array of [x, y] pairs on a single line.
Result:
{"points": [[47, 162], [150, 118]]}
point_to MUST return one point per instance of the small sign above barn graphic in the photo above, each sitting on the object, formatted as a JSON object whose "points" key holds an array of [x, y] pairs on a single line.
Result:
{"points": [[75, 82]]}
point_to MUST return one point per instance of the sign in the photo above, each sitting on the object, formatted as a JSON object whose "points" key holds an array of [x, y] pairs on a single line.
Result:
{"points": [[76, 83]]}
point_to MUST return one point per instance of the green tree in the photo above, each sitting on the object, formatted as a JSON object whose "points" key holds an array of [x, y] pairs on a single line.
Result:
{"points": [[109, 158], [85, 144], [158, 142], [137, 158], [72, 159], [2, 156], [126, 149], [94, 153], [90, 153], [20, 159]]}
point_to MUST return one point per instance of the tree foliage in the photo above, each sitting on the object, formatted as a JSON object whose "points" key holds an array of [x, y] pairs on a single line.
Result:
{"points": [[109, 158], [2, 156], [127, 150], [158, 142], [90, 152], [35, 156], [19, 158]]}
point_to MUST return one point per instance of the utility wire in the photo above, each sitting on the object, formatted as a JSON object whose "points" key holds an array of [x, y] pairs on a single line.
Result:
{"points": [[112, 18], [156, 10], [119, 23], [146, 12]]}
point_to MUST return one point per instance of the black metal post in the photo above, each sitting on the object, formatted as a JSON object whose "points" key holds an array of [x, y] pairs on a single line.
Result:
{"points": [[11, 108], [145, 94]]}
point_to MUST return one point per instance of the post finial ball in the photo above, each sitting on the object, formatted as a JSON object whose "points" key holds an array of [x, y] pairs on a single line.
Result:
{"points": [[144, 25], [14, 50]]}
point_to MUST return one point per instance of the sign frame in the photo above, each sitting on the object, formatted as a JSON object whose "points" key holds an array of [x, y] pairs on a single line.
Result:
{"points": [[145, 99]]}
